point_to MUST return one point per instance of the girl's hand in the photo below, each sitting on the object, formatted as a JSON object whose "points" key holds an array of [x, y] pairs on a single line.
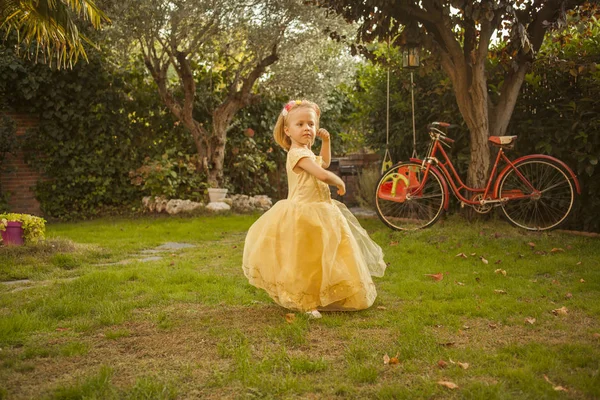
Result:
{"points": [[341, 189], [323, 134]]}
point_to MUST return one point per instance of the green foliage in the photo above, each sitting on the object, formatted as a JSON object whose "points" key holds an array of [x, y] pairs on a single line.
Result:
{"points": [[8, 144], [34, 228], [169, 177], [254, 163], [91, 131], [557, 112], [8, 138]]}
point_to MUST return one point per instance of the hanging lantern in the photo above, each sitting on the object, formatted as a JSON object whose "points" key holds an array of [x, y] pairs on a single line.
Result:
{"points": [[411, 45], [410, 57]]}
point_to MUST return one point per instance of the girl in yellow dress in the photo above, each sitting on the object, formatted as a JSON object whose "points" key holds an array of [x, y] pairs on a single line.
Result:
{"points": [[309, 252]]}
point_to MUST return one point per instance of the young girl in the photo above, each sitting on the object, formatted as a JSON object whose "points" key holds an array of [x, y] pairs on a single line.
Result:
{"points": [[309, 252]]}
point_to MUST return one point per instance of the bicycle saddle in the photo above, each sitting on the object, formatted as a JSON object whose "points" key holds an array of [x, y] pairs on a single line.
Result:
{"points": [[503, 141]]}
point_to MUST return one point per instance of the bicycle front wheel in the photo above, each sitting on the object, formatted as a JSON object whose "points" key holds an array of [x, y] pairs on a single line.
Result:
{"points": [[403, 204], [545, 208]]}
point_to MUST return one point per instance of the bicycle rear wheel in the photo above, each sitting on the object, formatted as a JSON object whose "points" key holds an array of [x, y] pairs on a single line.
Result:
{"points": [[545, 209], [401, 205]]}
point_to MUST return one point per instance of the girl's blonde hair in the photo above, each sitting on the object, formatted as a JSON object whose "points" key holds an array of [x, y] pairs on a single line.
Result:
{"points": [[279, 132]]}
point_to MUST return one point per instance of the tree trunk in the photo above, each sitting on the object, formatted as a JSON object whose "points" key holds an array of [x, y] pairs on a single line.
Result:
{"points": [[470, 89], [221, 118]]}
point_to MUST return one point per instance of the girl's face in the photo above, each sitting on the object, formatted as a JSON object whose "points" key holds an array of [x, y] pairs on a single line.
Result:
{"points": [[301, 126]]}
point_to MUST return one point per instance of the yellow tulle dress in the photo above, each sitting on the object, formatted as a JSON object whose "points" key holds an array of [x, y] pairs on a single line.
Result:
{"points": [[309, 252]]}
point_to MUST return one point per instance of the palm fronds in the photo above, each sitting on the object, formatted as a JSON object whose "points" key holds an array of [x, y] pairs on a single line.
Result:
{"points": [[51, 26]]}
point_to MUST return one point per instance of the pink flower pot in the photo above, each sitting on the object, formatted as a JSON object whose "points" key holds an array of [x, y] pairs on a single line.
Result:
{"points": [[13, 235]]}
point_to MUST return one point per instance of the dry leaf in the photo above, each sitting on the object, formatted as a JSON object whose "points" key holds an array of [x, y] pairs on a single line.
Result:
{"points": [[556, 250], [62, 329], [596, 335], [555, 282], [557, 388], [568, 295], [463, 255], [436, 277], [442, 364], [390, 361], [498, 262], [578, 263], [582, 280], [459, 283], [500, 271], [531, 244], [463, 365], [499, 291], [381, 308], [473, 254], [484, 260], [449, 385], [290, 317], [560, 311], [493, 326], [393, 243], [530, 320]]}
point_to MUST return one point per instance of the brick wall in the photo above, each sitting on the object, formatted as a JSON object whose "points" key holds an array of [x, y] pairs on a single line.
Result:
{"points": [[16, 177]]}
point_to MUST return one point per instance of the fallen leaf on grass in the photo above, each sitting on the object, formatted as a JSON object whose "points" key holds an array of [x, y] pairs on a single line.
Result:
{"points": [[447, 344], [393, 243], [463, 255], [493, 326], [62, 329], [498, 262], [449, 385], [387, 360], [442, 364], [557, 388], [596, 335], [556, 250], [531, 244], [578, 263], [560, 311], [473, 254], [500, 271], [436, 277], [459, 283], [568, 295], [582, 280], [530, 320], [483, 260], [499, 291], [462, 365], [381, 308], [290, 317]]}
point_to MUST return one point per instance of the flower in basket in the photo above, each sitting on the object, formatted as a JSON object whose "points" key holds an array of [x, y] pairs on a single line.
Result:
{"points": [[34, 228]]}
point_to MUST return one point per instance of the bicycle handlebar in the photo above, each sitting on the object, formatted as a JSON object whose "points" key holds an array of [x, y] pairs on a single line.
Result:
{"points": [[441, 125]]}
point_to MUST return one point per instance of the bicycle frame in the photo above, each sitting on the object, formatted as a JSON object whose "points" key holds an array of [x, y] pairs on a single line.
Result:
{"points": [[489, 194]]}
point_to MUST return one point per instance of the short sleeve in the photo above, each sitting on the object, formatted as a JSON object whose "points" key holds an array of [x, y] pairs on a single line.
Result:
{"points": [[296, 155]]}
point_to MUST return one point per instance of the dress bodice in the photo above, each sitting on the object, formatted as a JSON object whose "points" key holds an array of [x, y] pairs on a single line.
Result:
{"points": [[304, 187]]}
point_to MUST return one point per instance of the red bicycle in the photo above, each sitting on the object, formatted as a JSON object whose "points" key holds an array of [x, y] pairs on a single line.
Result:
{"points": [[535, 192]]}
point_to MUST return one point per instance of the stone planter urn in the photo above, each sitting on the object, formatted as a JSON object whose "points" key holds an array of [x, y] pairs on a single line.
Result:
{"points": [[216, 195], [13, 235]]}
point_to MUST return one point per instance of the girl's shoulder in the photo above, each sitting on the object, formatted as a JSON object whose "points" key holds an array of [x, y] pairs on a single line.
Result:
{"points": [[300, 151], [295, 154]]}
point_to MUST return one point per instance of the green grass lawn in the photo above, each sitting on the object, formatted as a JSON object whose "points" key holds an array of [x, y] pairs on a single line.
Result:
{"points": [[91, 319]]}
